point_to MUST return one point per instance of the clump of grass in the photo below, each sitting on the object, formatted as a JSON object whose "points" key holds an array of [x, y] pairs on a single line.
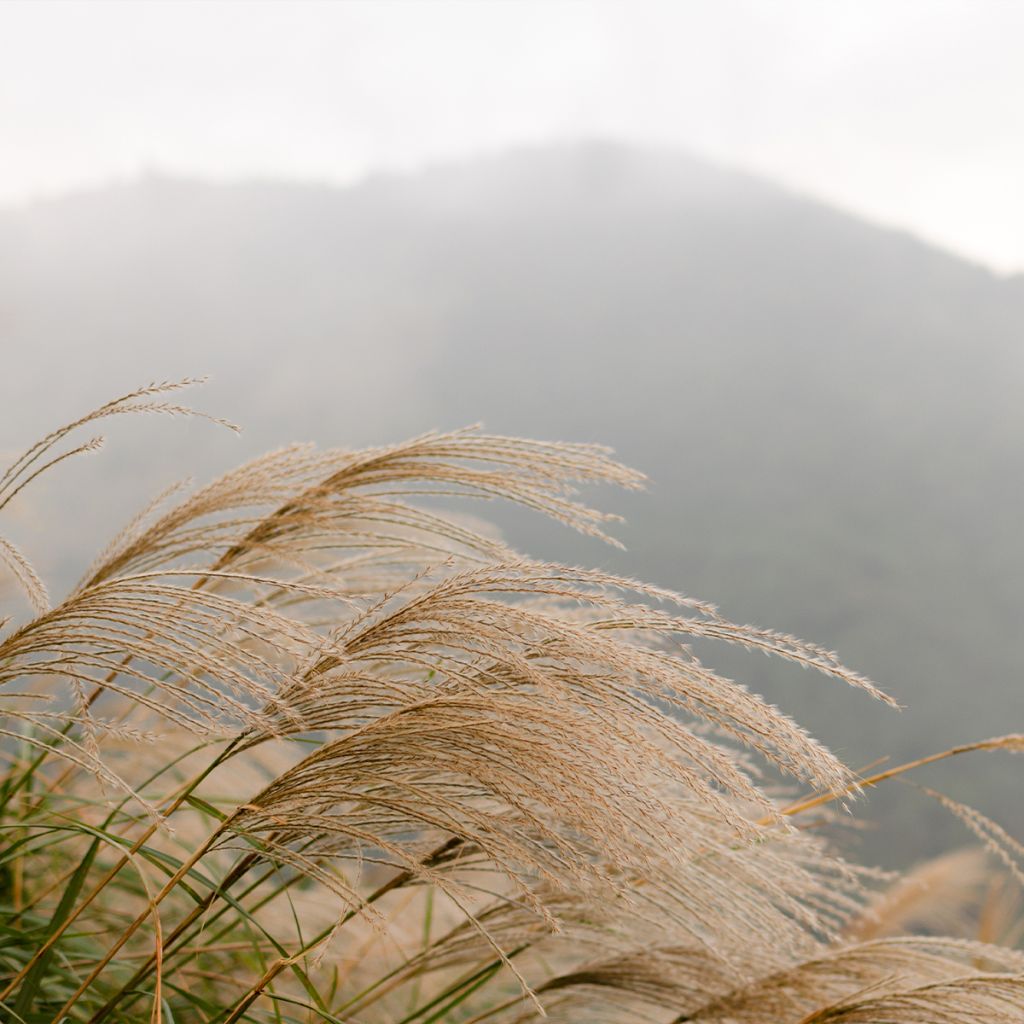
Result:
{"points": [[300, 747]]}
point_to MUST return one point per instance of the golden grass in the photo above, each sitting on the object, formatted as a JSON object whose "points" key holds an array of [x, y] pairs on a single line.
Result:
{"points": [[301, 747]]}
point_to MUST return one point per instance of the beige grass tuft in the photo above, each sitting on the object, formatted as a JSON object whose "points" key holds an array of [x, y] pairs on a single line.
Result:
{"points": [[302, 746]]}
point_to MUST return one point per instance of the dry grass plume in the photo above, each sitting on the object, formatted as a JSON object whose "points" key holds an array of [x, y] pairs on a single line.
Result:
{"points": [[300, 746]]}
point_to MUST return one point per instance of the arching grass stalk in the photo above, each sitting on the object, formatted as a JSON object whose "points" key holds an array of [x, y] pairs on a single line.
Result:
{"points": [[1012, 742]]}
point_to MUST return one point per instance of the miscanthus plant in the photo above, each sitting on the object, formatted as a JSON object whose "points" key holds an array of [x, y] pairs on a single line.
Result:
{"points": [[300, 747]]}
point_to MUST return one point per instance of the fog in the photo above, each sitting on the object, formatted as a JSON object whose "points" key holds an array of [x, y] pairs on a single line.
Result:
{"points": [[827, 405], [907, 113]]}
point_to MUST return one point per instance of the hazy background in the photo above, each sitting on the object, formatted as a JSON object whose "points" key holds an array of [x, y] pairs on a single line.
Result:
{"points": [[768, 251]]}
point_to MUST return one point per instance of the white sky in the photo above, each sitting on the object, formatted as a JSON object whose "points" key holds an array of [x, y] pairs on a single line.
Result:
{"points": [[908, 111]]}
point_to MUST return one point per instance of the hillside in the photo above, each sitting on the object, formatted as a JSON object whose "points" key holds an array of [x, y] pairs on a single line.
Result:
{"points": [[829, 411]]}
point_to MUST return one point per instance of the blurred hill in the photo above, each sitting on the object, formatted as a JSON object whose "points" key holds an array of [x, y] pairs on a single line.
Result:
{"points": [[830, 412]]}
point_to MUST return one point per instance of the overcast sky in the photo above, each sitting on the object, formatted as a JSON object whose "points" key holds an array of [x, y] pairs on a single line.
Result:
{"points": [[908, 111]]}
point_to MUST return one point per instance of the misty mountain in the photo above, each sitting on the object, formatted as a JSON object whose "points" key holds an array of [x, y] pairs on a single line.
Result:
{"points": [[829, 412]]}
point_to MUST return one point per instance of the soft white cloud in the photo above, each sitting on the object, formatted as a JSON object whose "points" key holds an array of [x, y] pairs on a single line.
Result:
{"points": [[907, 112]]}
